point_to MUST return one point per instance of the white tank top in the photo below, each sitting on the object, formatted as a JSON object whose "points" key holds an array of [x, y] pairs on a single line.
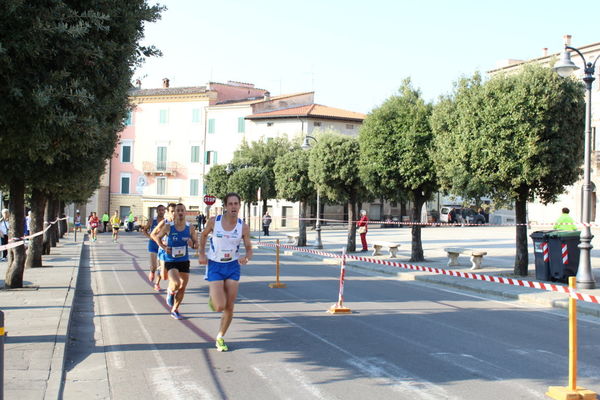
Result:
{"points": [[225, 245]]}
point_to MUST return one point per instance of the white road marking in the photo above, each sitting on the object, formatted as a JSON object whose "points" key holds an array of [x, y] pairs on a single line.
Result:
{"points": [[277, 376]]}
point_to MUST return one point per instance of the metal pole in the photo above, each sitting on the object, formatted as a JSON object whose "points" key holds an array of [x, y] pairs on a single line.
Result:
{"points": [[585, 279], [318, 225], [572, 338]]}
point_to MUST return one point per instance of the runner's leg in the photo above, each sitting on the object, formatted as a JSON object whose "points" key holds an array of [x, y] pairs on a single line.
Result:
{"points": [[185, 277], [230, 290]]}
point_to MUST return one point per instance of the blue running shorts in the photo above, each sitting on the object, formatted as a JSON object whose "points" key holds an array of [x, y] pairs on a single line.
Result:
{"points": [[152, 246], [217, 271]]}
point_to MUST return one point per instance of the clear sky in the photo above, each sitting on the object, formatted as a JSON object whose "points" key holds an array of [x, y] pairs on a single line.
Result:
{"points": [[354, 54]]}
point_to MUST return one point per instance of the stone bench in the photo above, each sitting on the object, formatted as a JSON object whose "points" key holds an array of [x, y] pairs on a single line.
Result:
{"points": [[476, 256], [392, 248], [293, 238]]}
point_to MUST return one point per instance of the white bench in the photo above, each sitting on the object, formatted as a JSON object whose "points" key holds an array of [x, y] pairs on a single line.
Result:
{"points": [[392, 248], [476, 256], [293, 238]]}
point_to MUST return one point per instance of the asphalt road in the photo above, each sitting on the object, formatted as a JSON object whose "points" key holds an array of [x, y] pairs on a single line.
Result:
{"points": [[404, 340]]}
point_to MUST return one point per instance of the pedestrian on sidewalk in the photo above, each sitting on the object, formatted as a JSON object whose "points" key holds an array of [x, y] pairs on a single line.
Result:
{"points": [[362, 229], [565, 222], [223, 261], [4, 228], [266, 222], [180, 236]]}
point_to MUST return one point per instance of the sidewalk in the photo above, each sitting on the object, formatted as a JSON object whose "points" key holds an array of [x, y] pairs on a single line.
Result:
{"points": [[36, 320], [499, 242]]}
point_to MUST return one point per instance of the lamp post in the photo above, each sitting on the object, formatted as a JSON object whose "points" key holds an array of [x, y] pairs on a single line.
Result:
{"points": [[319, 245], [564, 67]]}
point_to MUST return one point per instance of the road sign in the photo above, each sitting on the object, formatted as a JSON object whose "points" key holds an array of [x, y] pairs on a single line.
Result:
{"points": [[209, 200]]}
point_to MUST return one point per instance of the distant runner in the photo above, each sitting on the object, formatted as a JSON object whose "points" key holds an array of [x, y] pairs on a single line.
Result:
{"points": [[94, 222], [115, 222], [223, 261], [153, 246]]}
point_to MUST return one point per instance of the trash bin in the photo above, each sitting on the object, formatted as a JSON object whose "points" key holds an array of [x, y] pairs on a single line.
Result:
{"points": [[542, 261], [564, 254]]}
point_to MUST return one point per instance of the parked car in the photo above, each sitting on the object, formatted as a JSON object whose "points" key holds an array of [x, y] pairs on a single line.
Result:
{"points": [[464, 215], [445, 212]]}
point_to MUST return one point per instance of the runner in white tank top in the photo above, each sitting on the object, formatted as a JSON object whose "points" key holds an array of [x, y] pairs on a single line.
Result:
{"points": [[223, 261]]}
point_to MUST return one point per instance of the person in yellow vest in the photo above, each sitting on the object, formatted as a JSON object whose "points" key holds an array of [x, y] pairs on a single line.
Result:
{"points": [[115, 222], [565, 222]]}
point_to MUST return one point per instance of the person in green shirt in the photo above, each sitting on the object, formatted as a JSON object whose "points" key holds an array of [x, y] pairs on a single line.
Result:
{"points": [[105, 219], [565, 222], [130, 220]]}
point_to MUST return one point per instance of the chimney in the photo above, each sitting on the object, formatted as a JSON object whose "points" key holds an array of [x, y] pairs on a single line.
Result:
{"points": [[545, 52], [567, 40], [138, 83], [165, 82], [267, 96]]}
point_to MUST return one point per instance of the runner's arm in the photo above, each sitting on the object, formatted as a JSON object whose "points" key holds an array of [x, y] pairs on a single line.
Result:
{"points": [[158, 233], [203, 238], [247, 245]]}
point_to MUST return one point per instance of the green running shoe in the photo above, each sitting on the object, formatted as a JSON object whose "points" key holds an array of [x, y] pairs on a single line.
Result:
{"points": [[221, 346]]}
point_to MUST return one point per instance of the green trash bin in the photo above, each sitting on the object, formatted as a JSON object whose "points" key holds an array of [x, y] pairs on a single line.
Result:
{"points": [[563, 263]]}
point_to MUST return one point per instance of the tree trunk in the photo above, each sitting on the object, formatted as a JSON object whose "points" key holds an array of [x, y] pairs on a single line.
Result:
{"points": [[36, 245], [302, 224], [264, 207], [46, 243], [351, 245], [16, 255], [56, 225], [62, 228], [522, 255], [402, 209], [416, 252]]}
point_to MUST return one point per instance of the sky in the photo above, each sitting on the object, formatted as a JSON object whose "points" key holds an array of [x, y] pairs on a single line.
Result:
{"points": [[354, 54]]}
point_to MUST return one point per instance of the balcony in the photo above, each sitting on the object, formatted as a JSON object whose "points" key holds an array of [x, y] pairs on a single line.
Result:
{"points": [[160, 168]]}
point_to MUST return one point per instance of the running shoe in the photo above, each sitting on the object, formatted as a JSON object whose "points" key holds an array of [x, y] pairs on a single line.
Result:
{"points": [[170, 299], [210, 304], [157, 287], [221, 346], [175, 315], [151, 276]]}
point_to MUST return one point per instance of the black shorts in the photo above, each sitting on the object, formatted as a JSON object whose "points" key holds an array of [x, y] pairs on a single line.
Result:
{"points": [[116, 228], [181, 266]]}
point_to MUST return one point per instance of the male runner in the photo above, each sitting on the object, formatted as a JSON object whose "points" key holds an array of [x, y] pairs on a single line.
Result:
{"points": [[223, 261], [94, 222], [77, 222], [177, 259], [153, 247], [169, 215], [115, 222]]}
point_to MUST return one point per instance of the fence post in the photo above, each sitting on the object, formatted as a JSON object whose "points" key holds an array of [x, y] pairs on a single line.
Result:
{"points": [[277, 284]]}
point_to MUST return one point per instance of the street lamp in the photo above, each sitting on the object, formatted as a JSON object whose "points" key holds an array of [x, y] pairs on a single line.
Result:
{"points": [[305, 146], [564, 67]]}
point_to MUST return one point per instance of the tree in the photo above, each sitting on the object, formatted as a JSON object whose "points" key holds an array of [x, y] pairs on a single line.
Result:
{"points": [[395, 142], [522, 136], [333, 167], [217, 181], [245, 182], [292, 183]]}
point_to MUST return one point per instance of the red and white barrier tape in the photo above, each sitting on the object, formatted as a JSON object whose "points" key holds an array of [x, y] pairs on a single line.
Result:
{"points": [[440, 271], [16, 242]]}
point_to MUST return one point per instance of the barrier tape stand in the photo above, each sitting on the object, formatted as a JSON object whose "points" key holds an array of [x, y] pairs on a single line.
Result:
{"points": [[338, 308], [277, 284]]}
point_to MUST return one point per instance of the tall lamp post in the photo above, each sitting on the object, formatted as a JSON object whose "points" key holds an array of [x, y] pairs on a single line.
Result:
{"points": [[306, 146], [564, 67]]}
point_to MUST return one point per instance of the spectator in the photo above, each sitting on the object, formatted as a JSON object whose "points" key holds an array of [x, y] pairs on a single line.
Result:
{"points": [[130, 220], [4, 228], [105, 219], [201, 221], [565, 222], [266, 222], [362, 229]]}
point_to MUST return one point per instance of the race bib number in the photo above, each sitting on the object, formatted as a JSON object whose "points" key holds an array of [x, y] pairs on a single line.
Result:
{"points": [[225, 255], [178, 251]]}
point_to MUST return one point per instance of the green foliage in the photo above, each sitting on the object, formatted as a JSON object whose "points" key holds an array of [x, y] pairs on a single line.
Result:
{"points": [[513, 131], [245, 182], [395, 141], [217, 181], [291, 176]]}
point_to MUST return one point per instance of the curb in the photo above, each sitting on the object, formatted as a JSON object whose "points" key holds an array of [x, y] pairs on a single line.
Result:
{"points": [[524, 294], [55, 383]]}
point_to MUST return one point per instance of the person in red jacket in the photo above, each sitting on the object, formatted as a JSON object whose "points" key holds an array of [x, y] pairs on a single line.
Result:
{"points": [[362, 229]]}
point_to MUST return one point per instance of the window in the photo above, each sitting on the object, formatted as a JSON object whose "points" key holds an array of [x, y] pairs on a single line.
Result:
{"points": [[211, 125], [128, 119], [195, 115], [241, 125], [194, 183], [126, 151], [125, 181], [210, 157], [161, 185], [161, 158], [195, 154], [316, 123], [164, 116], [349, 126]]}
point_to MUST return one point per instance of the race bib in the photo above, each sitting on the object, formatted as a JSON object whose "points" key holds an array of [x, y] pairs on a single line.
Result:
{"points": [[178, 251], [225, 255]]}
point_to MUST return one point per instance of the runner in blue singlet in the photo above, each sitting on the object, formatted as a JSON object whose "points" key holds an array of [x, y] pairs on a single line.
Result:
{"points": [[153, 247], [223, 261], [179, 237]]}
